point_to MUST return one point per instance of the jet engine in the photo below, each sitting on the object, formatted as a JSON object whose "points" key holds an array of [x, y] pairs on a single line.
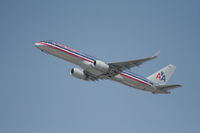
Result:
{"points": [[101, 66], [78, 73]]}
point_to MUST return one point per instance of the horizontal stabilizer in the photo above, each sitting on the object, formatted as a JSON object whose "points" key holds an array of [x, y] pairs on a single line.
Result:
{"points": [[167, 87]]}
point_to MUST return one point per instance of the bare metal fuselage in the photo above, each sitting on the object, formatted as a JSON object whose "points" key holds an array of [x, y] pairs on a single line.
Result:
{"points": [[87, 65]]}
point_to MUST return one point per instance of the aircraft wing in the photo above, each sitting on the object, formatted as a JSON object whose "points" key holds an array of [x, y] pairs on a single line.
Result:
{"points": [[118, 67], [121, 66]]}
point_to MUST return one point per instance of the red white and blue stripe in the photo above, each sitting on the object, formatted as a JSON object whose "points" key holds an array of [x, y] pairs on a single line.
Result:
{"points": [[137, 78], [69, 51]]}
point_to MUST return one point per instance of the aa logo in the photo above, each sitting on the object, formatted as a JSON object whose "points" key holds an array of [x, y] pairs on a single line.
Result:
{"points": [[161, 76]]}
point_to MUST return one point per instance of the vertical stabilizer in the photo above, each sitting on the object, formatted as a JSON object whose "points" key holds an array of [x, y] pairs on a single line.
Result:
{"points": [[162, 76]]}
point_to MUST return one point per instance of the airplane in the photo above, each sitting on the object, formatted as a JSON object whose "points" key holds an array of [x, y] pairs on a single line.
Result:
{"points": [[93, 69]]}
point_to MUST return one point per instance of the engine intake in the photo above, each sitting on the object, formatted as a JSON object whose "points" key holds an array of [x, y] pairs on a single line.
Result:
{"points": [[101, 66], [78, 73]]}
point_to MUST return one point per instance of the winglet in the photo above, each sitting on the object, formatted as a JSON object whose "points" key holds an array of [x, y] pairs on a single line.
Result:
{"points": [[156, 54]]}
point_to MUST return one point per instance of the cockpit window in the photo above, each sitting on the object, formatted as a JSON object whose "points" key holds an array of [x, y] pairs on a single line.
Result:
{"points": [[49, 41], [45, 41], [60, 45]]}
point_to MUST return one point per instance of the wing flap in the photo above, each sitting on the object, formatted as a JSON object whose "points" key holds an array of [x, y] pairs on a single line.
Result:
{"points": [[93, 77]]}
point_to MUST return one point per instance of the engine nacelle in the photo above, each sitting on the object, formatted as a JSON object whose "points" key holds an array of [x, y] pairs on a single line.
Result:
{"points": [[101, 66], [78, 73]]}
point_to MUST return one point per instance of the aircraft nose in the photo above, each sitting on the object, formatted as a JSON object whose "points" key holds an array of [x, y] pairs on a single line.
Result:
{"points": [[37, 44]]}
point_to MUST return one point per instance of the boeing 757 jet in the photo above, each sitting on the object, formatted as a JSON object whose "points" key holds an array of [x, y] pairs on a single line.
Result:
{"points": [[92, 69]]}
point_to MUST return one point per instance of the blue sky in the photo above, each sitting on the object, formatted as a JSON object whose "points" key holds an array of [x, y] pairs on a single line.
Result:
{"points": [[37, 93]]}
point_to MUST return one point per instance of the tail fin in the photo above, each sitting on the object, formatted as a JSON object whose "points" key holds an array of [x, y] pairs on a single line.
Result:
{"points": [[162, 76]]}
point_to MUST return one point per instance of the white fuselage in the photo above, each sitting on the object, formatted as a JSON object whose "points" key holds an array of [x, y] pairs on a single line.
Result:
{"points": [[86, 63]]}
